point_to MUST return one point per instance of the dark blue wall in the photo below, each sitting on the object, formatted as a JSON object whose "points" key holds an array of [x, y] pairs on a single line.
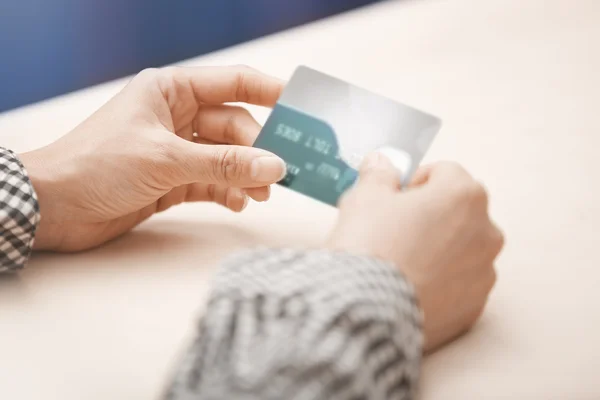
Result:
{"points": [[49, 47]]}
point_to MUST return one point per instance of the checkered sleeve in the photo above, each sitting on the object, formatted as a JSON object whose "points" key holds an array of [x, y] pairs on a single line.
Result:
{"points": [[304, 325], [19, 213]]}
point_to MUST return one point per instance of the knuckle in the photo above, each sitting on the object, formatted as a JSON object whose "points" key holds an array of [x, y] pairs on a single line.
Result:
{"points": [[453, 169], [246, 83], [169, 71], [471, 192], [492, 240], [228, 166], [153, 79], [148, 74], [166, 77], [460, 185], [234, 123], [242, 91], [498, 240], [478, 193], [231, 127], [243, 68]]}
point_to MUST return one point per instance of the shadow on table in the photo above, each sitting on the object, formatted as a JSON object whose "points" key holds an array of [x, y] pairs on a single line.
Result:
{"points": [[9, 279], [170, 235], [159, 244]]}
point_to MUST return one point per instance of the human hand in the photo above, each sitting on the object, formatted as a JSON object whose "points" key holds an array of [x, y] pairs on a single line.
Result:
{"points": [[438, 232], [166, 138]]}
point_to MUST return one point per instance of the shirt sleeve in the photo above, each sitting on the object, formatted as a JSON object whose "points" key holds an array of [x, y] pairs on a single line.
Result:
{"points": [[19, 213], [304, 325]]}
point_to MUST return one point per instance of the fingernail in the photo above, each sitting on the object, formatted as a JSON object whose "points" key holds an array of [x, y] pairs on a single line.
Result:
{"points": [[234, 197], [245, 203], [268, 169]]}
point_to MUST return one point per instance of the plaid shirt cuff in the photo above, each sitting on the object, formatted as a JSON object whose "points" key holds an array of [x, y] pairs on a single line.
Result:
{"points": [[304, 325], [19, 213]]}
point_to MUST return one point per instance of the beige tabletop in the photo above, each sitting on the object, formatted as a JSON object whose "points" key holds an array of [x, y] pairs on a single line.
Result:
{"points": [[517, 84]]}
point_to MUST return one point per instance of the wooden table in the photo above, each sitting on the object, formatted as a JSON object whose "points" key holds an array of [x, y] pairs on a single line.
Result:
{"points": [[518, 87]]}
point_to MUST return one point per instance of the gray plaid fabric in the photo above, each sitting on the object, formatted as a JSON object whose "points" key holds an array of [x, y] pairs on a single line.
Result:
{"points": [[19, 213], [304, 325]]}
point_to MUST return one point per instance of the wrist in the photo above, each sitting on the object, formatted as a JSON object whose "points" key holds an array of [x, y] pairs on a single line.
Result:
{"points": [[348, 244], [43, 179]]}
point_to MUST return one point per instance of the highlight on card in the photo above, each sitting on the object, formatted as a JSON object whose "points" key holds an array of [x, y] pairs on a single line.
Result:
{"points": [[322, 127]]}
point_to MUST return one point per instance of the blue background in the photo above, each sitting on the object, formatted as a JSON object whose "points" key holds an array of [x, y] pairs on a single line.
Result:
{"points": [[49, 47]]}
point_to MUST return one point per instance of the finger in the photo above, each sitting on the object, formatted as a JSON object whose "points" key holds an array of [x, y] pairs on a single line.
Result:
{"points": [[218, 85], [225, 165], [452, 183], [259, 194], [424, 172], [226, 125], [446, 172], [200, 140], [173, 197], [421, 176], [187, 132], [378, 171], [233, 198], [449, 178], [497, 240]]}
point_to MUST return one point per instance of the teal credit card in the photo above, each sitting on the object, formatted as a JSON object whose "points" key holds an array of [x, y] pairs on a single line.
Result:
{"points": [[322, 127]]}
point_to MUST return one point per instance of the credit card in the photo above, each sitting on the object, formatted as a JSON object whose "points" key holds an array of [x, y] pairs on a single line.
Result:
{"points": [[322, 127]]}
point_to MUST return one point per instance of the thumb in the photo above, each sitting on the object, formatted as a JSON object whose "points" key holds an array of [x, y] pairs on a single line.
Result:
{"points": [[227, 165], [377, 170]]}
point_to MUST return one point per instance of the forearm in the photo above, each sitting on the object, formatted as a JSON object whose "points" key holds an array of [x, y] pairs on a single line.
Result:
{"points": [[285, 324], [19, 213]]}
